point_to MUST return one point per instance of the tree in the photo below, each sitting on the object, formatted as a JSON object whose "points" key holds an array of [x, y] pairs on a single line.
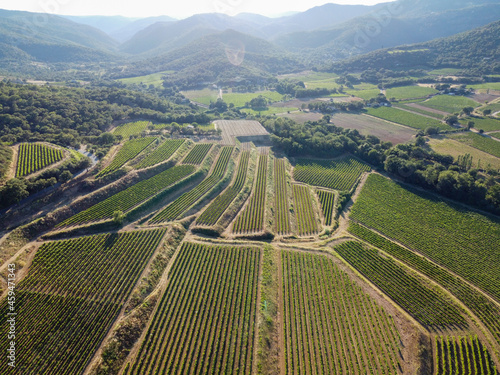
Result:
{"points": [[451, 119], [258, 103], [468, 110], [420, 141], [65, 176], [487, 112], [14, 191], [106, 139], [470, 125], [118, 217]]}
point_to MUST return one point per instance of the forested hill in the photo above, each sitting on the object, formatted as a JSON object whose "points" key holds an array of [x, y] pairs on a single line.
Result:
{"points": [[477, 50]]}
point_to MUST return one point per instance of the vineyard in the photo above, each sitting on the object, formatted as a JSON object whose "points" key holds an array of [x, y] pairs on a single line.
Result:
{"points": [[338, 175], [322, 330], [222, 202], [306, 219], [419, 300], [36, 156], [252, 218], [161, 154], [327, 200], [462, 356], [402, 117], [131, 197], [205, 321], [74, 291], [185, 201], [197, 154], [131, 128], [281, 198], [462, 248], [128, 152]]}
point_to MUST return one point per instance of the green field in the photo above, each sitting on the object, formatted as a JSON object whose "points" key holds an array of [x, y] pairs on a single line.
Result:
{"points": [[240, 99], [205, 96], [406, 118], [496, 135], [150, 79], [131, 128], [364, 94], [418, 110], [328, 83], [480, 142], [34, 157], [270, 111], [444, 72], [449, 103], [495, 107], [487, 124], [409, 92], [486, 86]]}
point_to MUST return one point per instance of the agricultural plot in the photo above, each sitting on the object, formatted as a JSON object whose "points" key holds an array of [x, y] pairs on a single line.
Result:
{"points": [[205, 321], [245, 130], [450, 235], [131, 128], [480, 142], [127, 152], [252, 218], [341, 174], [175, 209], [281, 198], [327, 200], [419, 300], [449, 103], [486, 123], [409, 92], [304, 211], [71, 296], [131, 197], [322, 330], [496, 135], [462, 356], [161, 153], [364, 94], [414, 107], [197, 154], [212, 214], [487, 311], [402, 117], [241, 99], [34, 157], [205, 96]]}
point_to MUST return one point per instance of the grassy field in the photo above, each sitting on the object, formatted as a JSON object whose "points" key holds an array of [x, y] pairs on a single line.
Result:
{"points": [[485, 123], [496, 135], [364, 94], [444, 72], [408, 92], [480, 142], [495, 107], [454, 148], [239, 99], [150, 79], [322, 84], [418, 110], [450, 104], [270, 111], [406, 118], [489, 85], [205, 96]]}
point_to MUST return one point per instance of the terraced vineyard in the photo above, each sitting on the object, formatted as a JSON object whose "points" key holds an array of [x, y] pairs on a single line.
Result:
{"points": [[462, 248], [322, 331], [34, 157], [131, 197], [281, 198], [161, 154], [197, 154], [175, 209], [462, 356], [306, 219], [327, 200], [71, 296], [128, 152], [212, 214], [420, 301], [252, 218], [339, 174], [205, 321], [131, 128]]}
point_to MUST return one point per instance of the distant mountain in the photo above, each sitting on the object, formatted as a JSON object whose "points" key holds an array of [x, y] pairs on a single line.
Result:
{"points": [[477, 50], [108, 24]]}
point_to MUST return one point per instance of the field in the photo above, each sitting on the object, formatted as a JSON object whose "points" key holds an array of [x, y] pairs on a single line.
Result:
{"points": [[242, 130], [251, 219], [270, 110], [406, 118], [322, 330], [155, 79], [205, 96], [131, 128], [127, 152], [449, 103], [486, 86], [161, 153], [495, 107], [240, 99], [282, 210], [205, 321], [409, 92], [364, 94], [131, 197], [367, 125], [341, 174], [486, 124], [197, 154], [34, 157], [480, 142], [496, 135], [463, 248], [444, 72], [327, 200], [304, 211], [414, 107], [74, 291]]}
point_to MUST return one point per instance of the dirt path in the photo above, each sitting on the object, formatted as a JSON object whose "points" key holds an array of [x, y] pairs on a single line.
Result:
{"points": [[281, 320]]}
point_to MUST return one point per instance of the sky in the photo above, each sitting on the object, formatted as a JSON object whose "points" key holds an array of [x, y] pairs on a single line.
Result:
{"points": [[172, 8]]}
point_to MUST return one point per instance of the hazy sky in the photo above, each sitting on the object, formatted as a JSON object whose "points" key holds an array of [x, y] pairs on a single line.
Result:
{"points": [[181, 9]]}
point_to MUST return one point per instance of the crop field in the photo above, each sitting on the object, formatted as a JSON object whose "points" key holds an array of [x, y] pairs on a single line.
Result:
{"points": [[270, 110], [364, 94], [494, 107], [327, 200], [406, 118], [175, 209], [232, 129], [71, 296], [131, 128], [414, 107], [126, 153], [220, 204], [252, 218], [486, 86], [449, 103], [496, 135], [341, 174], [418, 299], [155, 79], [322, 330], [487, 124], [462, 248], [206, 319], [480, 142], [161, 153], [462, 356], [240, 99], [131, 197], [306, 219], [281, 198], [205, 96], [444, 71], [198, 154], [409, 92], [34, 157]]}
